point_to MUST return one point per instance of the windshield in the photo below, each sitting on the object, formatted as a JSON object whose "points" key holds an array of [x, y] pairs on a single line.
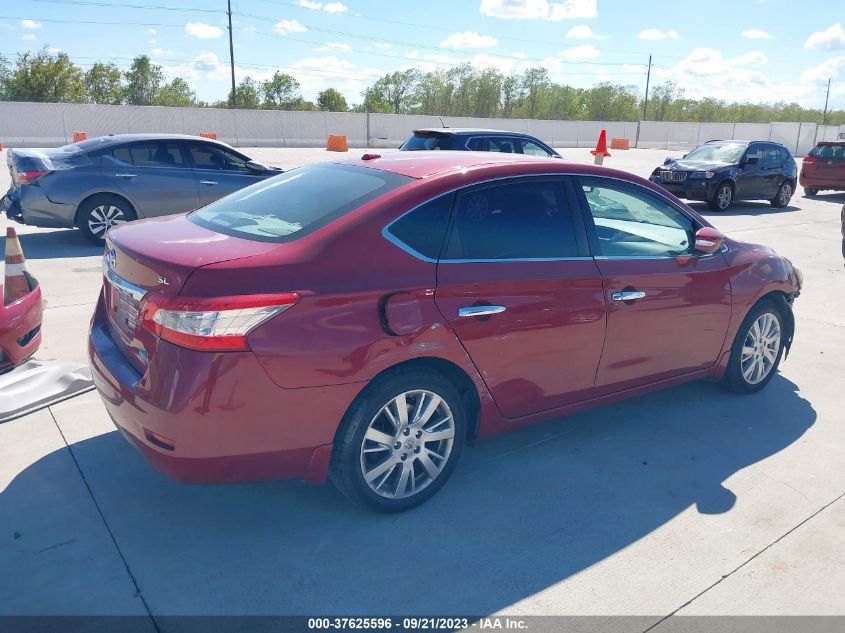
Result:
{"points": [[426, 141], [285, 207], [717, 152]]}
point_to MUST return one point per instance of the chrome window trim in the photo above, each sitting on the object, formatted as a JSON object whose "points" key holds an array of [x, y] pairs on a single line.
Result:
{"points": [[136, 292], [385, 231]]}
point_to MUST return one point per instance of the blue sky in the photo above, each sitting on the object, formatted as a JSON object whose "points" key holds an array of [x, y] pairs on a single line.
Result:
{"points": [[744, 50]]}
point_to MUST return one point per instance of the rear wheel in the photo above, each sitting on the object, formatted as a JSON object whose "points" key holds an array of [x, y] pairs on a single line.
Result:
{"points": [[757, 348], [99, 214], [811, 191], [783, 196], [399, 441], [721, 199]]}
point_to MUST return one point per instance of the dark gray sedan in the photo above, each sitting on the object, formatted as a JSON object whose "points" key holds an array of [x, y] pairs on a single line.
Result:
{"points": [[97, 184]]}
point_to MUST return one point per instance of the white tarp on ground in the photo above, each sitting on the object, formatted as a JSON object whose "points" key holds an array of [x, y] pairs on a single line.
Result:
{"points": [[37, 384]]}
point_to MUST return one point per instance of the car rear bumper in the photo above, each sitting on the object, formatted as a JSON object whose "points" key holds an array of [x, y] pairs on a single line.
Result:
{"points": [[206, 417], [20, 329], [821, 183], [690, 189], [30, 205]]}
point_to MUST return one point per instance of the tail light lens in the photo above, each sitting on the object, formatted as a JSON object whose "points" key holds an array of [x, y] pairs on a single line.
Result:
{"points": [[29, 177], [809, 160], [219, 323]]}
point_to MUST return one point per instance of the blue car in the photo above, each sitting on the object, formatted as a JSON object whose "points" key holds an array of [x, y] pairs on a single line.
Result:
{"points": [[476, 140], [720, 172], [100, 183]]}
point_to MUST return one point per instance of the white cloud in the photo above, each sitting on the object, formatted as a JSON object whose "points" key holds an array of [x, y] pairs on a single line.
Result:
{"points": [[338, 46], [207, 62], [833, 68], [289, 26], [832, 39], [519, 54], [151, 31], [30, 24], [756, 34], [160, 52], [329, 7], [538, 9], [54, 51], [384, 45], [202, 30], [29, 37], [657, 34], [587, 51], [152, 41], [251, 29], [335, 7], [469, 39], [583, 32]]}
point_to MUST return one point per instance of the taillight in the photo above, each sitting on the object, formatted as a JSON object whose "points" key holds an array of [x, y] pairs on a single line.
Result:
{"points": [[809, 160], [29, 177], [218, 323]]}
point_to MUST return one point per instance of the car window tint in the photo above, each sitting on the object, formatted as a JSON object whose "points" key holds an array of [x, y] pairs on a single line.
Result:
{"points": [[122, 154], [427, 141], [503, 145], [632, 222], [755, 151], [479, 144], [156, 154], [520, 220], [212, 157], [530, 147], [772, 156], [422, 229], [282, 208]]}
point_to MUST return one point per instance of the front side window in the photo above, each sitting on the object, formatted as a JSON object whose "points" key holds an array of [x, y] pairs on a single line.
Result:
{"points": [[529, 219], [285, 207], [212, 157], [755, 150], [633, 222], [156, 154]]}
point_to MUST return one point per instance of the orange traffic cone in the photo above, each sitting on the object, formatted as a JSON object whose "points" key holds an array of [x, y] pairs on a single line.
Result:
{"points": [[18, 281], [601, 149]]}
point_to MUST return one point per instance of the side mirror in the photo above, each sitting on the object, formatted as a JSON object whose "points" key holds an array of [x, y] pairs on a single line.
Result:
{"points": [[667, 160], [751, 160], [255, 166], [709, 240]]}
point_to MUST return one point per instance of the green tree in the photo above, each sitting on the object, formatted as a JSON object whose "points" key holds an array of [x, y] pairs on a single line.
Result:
{"points": [[103, 83], [534, 81], [177, 93], [248, 94], [282, 92], [143, 81], [44, 77], [332, 101], [392, 93]]}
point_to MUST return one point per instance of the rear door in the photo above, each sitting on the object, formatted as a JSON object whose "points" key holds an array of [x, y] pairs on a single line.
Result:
{"points": [[517, 286], [219, 171], [153, 175], [667, 308]]}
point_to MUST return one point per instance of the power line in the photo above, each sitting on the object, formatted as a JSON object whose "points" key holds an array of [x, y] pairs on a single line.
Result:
{"points": [[113, 5]]}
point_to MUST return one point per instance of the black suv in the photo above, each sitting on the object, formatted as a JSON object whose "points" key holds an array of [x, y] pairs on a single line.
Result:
{"points": [[476, 140], [719, 172]]}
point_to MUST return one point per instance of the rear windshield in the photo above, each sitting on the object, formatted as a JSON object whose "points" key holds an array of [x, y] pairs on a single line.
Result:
{"points": [[285, 207], [427, 140], [718, 152], [831, 151]]}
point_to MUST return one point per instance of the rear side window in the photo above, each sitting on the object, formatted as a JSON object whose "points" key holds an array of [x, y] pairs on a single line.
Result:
{"points": [[422, 229], [520, 220], [283, 208], [427, 141], [772, 156], [156, 154]]}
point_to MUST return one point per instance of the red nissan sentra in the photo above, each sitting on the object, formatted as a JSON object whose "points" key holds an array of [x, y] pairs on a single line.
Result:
{"points": [[360, 320]]}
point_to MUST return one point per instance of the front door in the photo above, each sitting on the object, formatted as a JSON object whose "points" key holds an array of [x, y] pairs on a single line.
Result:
{"points": [[219, 172], [517, 287], [749, 180], [668, 308]]}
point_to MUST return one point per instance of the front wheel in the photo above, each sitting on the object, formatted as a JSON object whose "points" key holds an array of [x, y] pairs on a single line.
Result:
{"points": [[757, 348], [400, 441], [721, 199], [783, 196], [97, 215]]}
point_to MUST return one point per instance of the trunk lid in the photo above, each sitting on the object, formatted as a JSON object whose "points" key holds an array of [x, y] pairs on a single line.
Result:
{"points": [[158, 256]]}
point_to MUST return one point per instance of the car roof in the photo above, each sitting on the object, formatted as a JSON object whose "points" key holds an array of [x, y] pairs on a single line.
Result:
{"points": [[115, 139], [435, 163], [743, 142], [455, 131]]}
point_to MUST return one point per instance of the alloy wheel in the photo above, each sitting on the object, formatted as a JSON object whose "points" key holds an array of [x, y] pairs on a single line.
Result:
{"points": [[785, 194], [105, 217], [407, 444], [760, 348], [724, 196]]}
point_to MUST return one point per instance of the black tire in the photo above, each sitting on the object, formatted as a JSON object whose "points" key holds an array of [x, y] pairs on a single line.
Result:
{"points": [[783, 195], [347, 465], [103, 206], [722, 197], [811, 191], [735, 379]]}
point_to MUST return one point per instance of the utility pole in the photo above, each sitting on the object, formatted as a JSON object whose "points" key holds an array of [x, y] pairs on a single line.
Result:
{"points": [[232, 54], [824, 116], [647, 79]]}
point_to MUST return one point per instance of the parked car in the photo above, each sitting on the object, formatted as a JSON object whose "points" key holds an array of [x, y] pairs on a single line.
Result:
{"points": [[843, 231], [824, 168], [100, 183], [477, 140], [362, 332], [719, 172]]}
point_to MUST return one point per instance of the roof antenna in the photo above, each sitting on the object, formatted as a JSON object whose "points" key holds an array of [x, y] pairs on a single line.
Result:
{"points": [[441, 122]]}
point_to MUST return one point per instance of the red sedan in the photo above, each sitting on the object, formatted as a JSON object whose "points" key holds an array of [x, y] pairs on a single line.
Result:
{"points": [[360, 320]]}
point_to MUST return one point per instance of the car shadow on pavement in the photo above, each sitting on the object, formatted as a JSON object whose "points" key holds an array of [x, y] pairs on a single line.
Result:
{"points": [[523, 512], [742, 208], [57, 244]]}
